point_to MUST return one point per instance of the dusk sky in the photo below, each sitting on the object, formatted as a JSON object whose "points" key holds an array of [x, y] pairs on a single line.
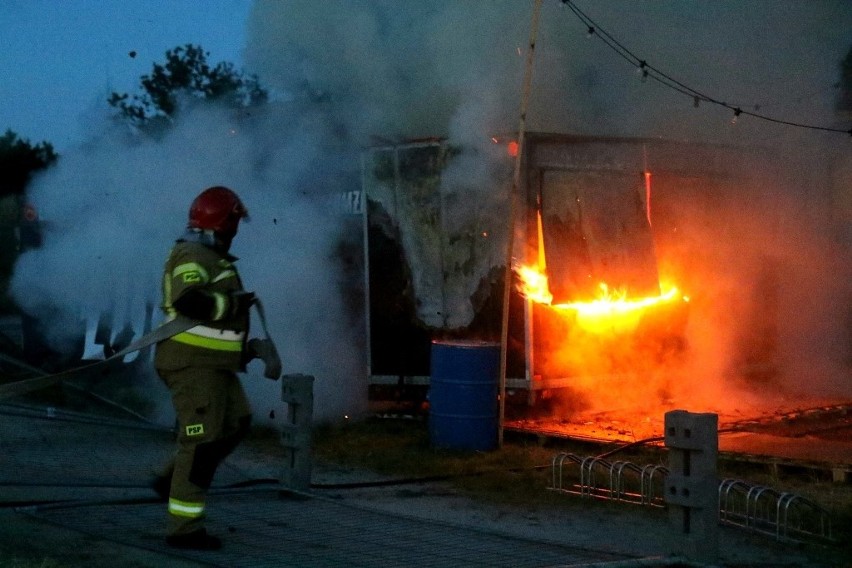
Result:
{"points": [[61, 59]]}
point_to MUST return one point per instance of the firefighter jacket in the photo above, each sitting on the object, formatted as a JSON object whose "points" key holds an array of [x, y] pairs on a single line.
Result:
{"points": [[219, 341]]}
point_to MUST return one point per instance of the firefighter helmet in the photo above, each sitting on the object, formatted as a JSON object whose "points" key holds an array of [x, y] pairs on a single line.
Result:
{"points": [[218, 209]]}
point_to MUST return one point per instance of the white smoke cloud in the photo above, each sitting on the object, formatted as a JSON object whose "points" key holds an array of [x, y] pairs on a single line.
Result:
{"points": [[454, 69], [344, 71], [113, 208]]}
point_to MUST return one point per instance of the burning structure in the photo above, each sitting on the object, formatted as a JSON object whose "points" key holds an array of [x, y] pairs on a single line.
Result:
{"points": [[644, 276], [619, 235]]}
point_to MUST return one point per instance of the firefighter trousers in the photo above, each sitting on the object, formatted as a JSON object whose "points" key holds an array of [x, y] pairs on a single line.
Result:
{"points": [[213, 416]]}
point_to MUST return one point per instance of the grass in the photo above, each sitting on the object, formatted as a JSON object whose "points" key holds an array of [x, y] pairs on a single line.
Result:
{"points": [[402, 449]]}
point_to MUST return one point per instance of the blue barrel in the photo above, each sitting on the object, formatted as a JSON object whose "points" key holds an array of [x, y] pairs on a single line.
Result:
{"points": [[463, 395]]}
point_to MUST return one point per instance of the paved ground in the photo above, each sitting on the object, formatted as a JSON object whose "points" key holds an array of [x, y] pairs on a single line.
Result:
{"points": [[263, 529], [79, 484]]}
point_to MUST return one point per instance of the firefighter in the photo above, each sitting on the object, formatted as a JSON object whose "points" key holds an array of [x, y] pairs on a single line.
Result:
{"points": [[200, 365]]}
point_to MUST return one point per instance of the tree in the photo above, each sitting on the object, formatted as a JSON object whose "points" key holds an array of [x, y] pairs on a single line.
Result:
{"points": [[186, 74], [19, 159]]}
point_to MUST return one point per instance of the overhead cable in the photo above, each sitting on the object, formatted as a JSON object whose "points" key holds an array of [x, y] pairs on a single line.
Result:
{"points": [[647, 70]]}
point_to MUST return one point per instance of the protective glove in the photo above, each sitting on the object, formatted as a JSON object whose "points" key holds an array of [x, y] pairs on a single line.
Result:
{"points": [[265, 350], [241, 302]]}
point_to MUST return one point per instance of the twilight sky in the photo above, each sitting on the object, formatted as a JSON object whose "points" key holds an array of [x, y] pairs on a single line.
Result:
{"points": [[61, 59]]}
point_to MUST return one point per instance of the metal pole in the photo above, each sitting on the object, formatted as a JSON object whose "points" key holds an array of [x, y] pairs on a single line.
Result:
{"points": [[516, 182], [365, 243]]}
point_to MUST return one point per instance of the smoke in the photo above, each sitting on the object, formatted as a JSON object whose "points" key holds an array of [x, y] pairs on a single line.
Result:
{"points": [[758, 257], [113, 208], [770, 296], [346, 73], [454, 68], [391, 70]]}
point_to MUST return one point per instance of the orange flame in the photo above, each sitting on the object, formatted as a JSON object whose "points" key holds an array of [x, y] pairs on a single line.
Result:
{"points": [[612, 310], [533, 285]]}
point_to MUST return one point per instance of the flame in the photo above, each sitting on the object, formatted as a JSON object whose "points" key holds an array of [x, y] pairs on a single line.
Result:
{"points": [[614, 311], [594, 346], [533, 285], [611, 310]]}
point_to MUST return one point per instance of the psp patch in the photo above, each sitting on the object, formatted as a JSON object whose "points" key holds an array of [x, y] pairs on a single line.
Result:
{"points": [[195, 430]]}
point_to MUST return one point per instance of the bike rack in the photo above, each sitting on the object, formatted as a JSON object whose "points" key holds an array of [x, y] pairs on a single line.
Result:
{"points": [[755, 508], [623, 478]]}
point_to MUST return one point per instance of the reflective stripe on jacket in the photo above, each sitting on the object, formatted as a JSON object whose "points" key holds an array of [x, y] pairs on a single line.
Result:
{"points": [[217, 341], [212, 338]]}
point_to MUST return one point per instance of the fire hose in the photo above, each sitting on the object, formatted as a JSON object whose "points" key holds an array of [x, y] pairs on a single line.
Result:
{"points": [[263, 349]]}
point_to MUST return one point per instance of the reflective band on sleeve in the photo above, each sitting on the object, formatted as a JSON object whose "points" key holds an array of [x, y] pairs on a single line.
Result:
{"points": [[225, 274], [212, 338], [188, 268], [221, 305], [185, 509]]}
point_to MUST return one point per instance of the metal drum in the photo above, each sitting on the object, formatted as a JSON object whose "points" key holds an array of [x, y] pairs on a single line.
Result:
{"points": [[463, 389]]}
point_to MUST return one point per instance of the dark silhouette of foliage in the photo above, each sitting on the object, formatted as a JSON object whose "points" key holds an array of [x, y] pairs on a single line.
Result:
{"points": [[19, 159], [844, 100], [186, 76]]}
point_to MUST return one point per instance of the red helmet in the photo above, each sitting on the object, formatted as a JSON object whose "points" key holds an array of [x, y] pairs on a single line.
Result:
{"points": [[218, 209]]}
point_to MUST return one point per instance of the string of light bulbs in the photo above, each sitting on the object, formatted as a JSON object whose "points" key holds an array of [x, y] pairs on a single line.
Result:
{"points": [[649, 71]]}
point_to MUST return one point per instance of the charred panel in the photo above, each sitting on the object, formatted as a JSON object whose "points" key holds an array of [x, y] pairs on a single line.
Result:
{"points": [[596, 231]]}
